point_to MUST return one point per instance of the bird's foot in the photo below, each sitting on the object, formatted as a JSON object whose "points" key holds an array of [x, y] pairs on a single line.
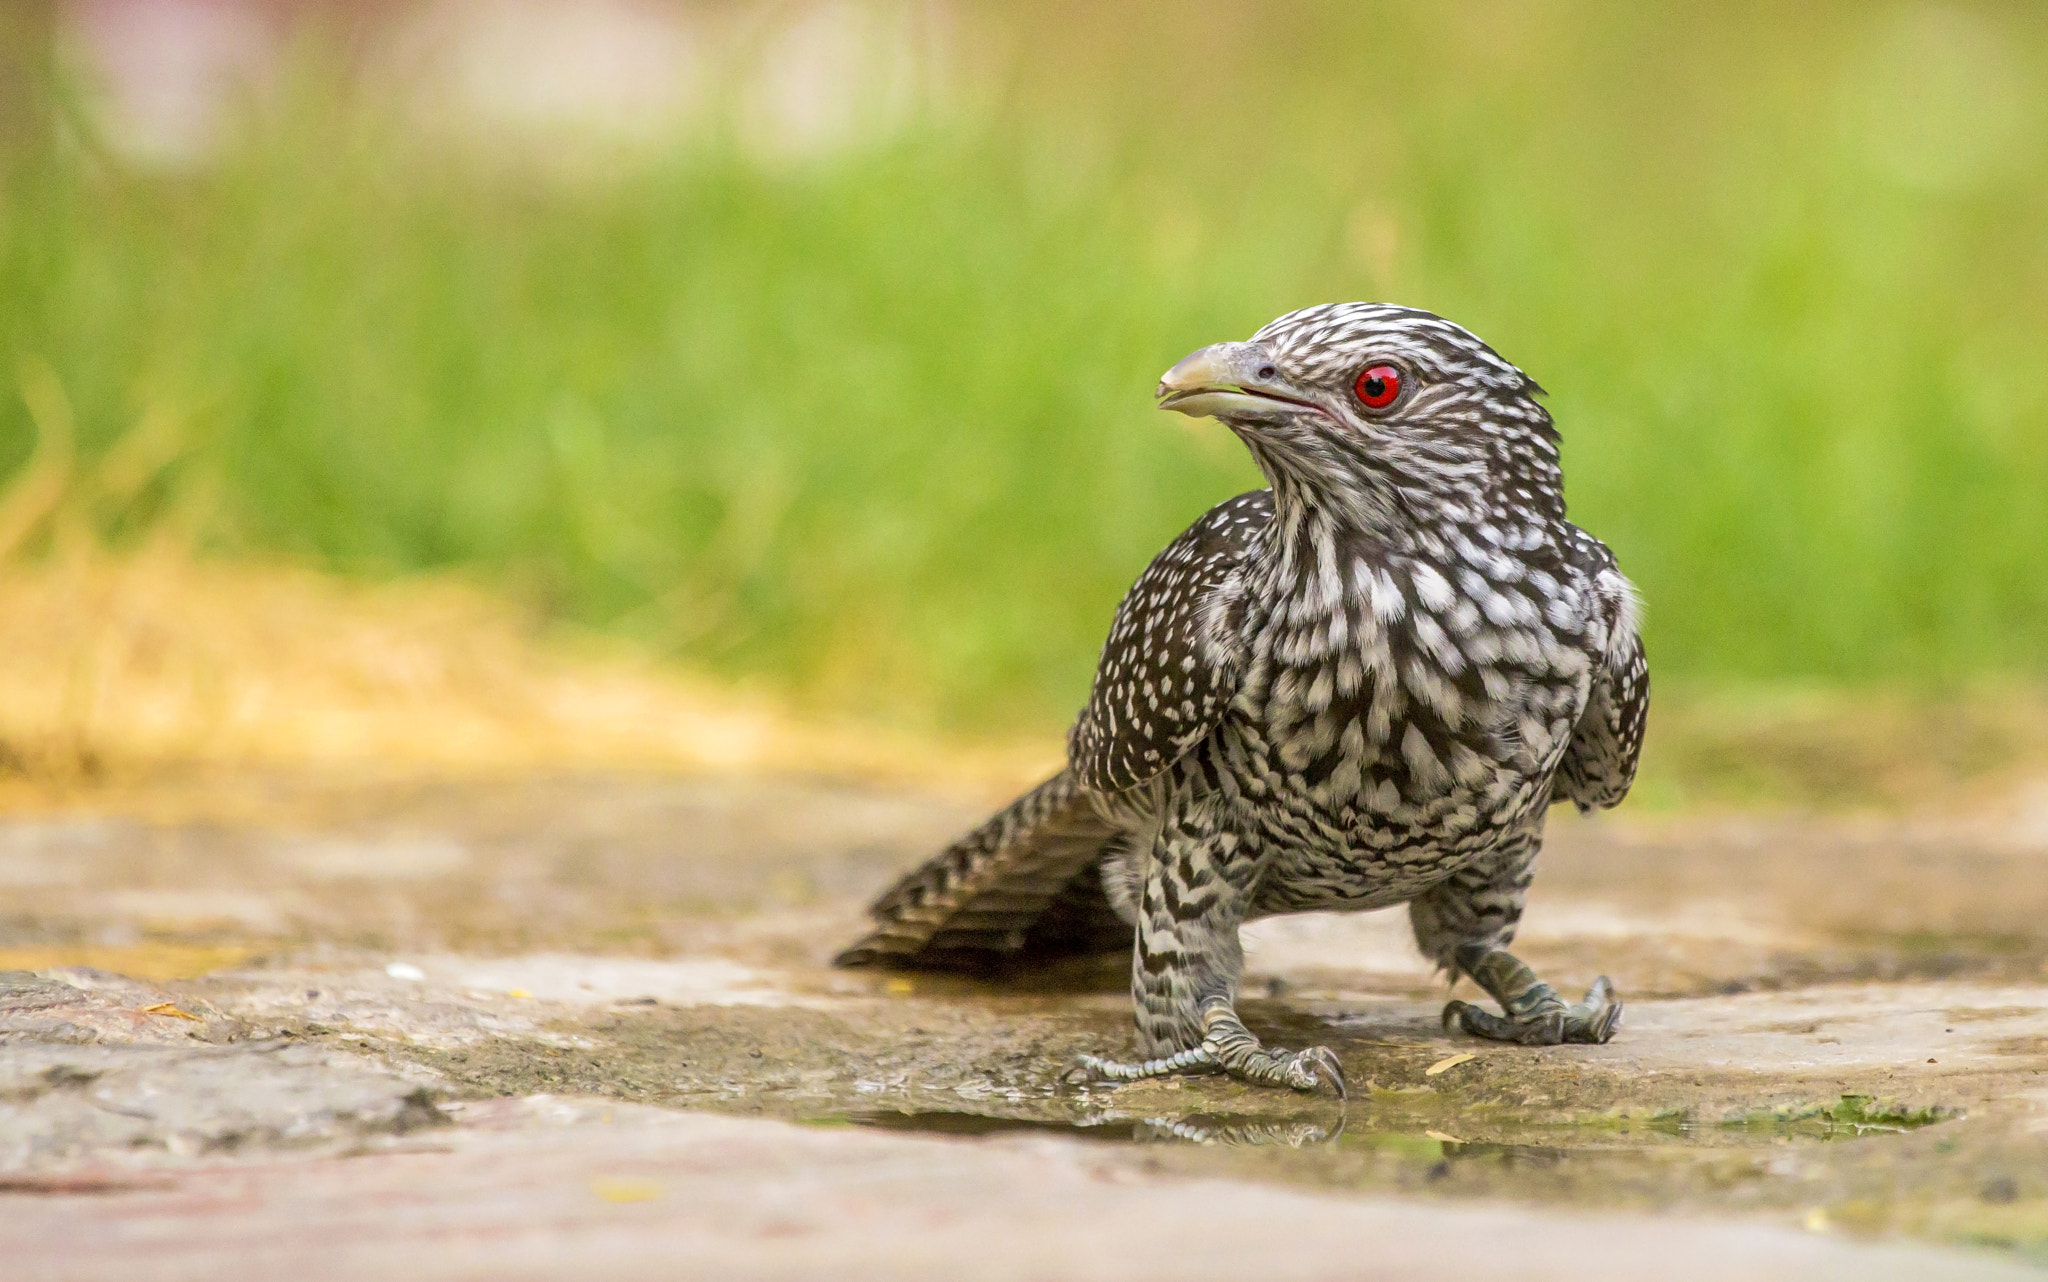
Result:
{"points": [[1592, 1020], [1534, 1014], [1228, 1047], [1240, 1054], [1305, 1070]]}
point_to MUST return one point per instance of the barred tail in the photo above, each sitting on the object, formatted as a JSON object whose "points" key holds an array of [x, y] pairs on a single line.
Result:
{"points": [[1022, 886]]}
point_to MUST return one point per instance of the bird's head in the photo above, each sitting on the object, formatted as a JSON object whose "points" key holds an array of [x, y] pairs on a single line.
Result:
{"points": [[1389, 409]]}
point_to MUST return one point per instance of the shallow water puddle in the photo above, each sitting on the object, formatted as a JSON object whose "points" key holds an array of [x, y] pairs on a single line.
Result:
{"points": [[1851, 1162], [1402, 1133]]}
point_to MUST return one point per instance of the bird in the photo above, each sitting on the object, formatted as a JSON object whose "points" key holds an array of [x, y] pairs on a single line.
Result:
{"points": [[1364, 685]]}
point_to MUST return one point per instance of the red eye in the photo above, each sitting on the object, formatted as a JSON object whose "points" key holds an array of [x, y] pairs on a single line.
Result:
{"points": [[1378, 386]]}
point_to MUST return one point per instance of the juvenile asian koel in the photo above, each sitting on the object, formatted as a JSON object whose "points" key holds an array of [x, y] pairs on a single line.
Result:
{"points": [[1362, 686]]}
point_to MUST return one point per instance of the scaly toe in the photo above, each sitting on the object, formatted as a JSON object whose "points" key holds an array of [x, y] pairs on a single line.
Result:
{"points": [[1092, 1070], [1480, 1022]]}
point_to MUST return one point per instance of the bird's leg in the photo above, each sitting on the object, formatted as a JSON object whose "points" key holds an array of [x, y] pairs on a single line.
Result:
{"points": [[1536, 1015], [1185, 969], [1466, 923]]}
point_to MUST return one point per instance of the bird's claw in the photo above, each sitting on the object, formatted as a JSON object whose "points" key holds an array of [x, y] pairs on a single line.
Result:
{"points": [[1552, 1023], [1315, 1067]]}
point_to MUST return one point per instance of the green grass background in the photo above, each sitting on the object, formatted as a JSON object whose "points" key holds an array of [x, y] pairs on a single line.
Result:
{"points": [[876, 430]]}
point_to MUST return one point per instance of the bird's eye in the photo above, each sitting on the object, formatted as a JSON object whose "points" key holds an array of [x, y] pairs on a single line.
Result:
{"points": [[1378, 386]]}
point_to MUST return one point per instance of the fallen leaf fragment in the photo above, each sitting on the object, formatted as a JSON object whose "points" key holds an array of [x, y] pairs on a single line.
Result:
{"points": [[1451, 1062], [899, 986], [171, 1009], [1445, 1137], [626, 1190]]}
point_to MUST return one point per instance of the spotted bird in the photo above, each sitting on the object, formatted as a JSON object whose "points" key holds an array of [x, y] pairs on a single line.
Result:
{"points": [[1362, 686]]}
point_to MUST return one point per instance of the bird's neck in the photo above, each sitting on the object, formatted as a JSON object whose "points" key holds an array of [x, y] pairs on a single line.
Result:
{"points": [[1324, 526], [1427, 499]]}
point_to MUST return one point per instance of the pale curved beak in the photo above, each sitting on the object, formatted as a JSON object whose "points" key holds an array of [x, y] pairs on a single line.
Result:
{"points": [[1229, 381]]}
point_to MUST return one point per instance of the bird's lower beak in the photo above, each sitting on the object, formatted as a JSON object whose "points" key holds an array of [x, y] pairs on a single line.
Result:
{"points": [[1228, 381]]}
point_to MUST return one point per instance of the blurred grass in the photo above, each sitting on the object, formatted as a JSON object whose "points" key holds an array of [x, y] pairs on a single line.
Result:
{"points": [[875, 430]]}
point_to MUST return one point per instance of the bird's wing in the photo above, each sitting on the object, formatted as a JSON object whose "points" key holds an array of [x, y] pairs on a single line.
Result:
{"points": [[1600, 762], [1168, 669]]}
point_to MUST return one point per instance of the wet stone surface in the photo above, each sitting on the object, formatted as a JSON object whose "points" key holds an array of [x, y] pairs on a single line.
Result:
{"points": [[1838, 1032]]}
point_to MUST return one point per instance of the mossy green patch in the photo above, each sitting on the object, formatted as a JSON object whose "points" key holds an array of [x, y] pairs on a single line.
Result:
{"points": [[1846, 1117]]}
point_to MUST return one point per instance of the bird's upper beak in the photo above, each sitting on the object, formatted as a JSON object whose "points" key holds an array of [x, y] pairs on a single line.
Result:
{"points": [[1230, 381]]}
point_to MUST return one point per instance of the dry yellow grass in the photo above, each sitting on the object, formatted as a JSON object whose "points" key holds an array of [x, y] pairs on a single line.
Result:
{"points": [[152, 960], [114, 666]]}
